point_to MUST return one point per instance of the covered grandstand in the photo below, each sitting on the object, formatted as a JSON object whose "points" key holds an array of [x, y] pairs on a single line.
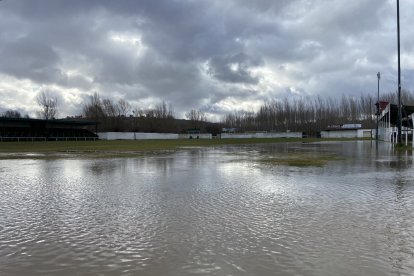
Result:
{"points": [[388, 122], [25, 129]]}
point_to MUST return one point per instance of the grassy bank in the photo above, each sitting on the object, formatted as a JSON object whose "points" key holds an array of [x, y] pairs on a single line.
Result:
{"points": [[133, 147], [301, 159]]}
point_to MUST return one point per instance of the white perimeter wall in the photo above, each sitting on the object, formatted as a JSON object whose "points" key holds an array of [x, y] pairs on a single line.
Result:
{"points": [[148, 136], [135, 136], [262, 135], [195, 136]]}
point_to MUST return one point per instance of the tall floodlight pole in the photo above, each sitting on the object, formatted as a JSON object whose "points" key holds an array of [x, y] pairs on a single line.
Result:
{"points": [[378, 106], [399, 75]]}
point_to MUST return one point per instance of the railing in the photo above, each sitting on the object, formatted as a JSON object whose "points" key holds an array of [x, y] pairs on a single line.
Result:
{"points": [[390, 135], [33, 139]]}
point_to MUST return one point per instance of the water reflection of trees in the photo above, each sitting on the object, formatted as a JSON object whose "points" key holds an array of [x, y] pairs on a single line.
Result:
{"points": [[99, 167]]}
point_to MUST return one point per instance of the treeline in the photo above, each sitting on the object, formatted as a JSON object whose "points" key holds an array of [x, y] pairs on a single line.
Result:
{"points": [[312, 115], [13, 114], [120, 116]]}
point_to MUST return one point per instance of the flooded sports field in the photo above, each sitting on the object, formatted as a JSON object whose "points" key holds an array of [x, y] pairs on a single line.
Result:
{"points": [[337, 208]]}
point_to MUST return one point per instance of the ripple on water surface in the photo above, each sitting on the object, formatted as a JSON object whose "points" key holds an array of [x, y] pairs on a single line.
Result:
{"points": [[208, 212]]}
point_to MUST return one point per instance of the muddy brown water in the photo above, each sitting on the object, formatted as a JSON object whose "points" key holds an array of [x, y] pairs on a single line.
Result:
{"points": [[215, 211]]}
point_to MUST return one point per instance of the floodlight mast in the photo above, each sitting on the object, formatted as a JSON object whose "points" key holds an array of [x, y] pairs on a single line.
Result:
{"points": [[378, 106], [399, 138]]}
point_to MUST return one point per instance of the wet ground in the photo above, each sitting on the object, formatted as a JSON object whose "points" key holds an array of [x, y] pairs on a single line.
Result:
{"points": [[212, 211]]}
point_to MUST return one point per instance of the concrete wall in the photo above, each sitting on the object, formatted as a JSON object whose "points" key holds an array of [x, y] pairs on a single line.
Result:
{"points": [[145, 136], [135, 136], [195, 136], [354, 133], [339, 134], [261, 135], [366, 133]]}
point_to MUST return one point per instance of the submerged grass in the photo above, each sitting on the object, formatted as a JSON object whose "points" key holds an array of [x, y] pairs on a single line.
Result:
{"points": [[403, 147], [301, 160], [127, 148]]}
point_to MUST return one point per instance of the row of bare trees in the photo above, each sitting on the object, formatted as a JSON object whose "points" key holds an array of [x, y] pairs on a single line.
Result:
{"points": [[311, 115], [12, 114], [116, 116], [98, 108], [120, 116]]}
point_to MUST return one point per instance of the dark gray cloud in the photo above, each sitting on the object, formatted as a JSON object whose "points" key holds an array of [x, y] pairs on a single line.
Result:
{"points": [[213, 55], [234, 68], [28, 58]]}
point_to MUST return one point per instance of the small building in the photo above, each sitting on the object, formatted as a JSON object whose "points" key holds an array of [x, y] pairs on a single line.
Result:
{"points": [[346, 131], [195, 133], [195, 136]]}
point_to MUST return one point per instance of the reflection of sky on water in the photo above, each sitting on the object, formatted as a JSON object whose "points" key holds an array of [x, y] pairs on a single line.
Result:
{"points": [[211, 211]]}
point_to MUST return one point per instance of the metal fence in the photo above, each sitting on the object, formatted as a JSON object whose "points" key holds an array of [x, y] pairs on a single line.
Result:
{"points": [[33, 139]]}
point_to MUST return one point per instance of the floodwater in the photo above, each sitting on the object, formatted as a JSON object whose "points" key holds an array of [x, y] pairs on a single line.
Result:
{"points": [[216, 211]]}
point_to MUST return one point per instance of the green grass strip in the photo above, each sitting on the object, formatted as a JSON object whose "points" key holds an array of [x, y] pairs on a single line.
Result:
{"points": [[134, 147]]}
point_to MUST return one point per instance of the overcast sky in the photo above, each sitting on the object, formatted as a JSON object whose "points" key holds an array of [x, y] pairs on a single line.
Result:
{"points": [[214, 55]]}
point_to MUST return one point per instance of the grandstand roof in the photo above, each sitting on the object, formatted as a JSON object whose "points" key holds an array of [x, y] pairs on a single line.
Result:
{"points": [[392, 112], [28, 122]]}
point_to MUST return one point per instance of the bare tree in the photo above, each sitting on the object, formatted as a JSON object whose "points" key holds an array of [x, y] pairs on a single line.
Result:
{"points": [[93, 109], [12, 114], [110, 108], [164, 111], [123, 108], [138, 112], [196, 115], [48, 105]]}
